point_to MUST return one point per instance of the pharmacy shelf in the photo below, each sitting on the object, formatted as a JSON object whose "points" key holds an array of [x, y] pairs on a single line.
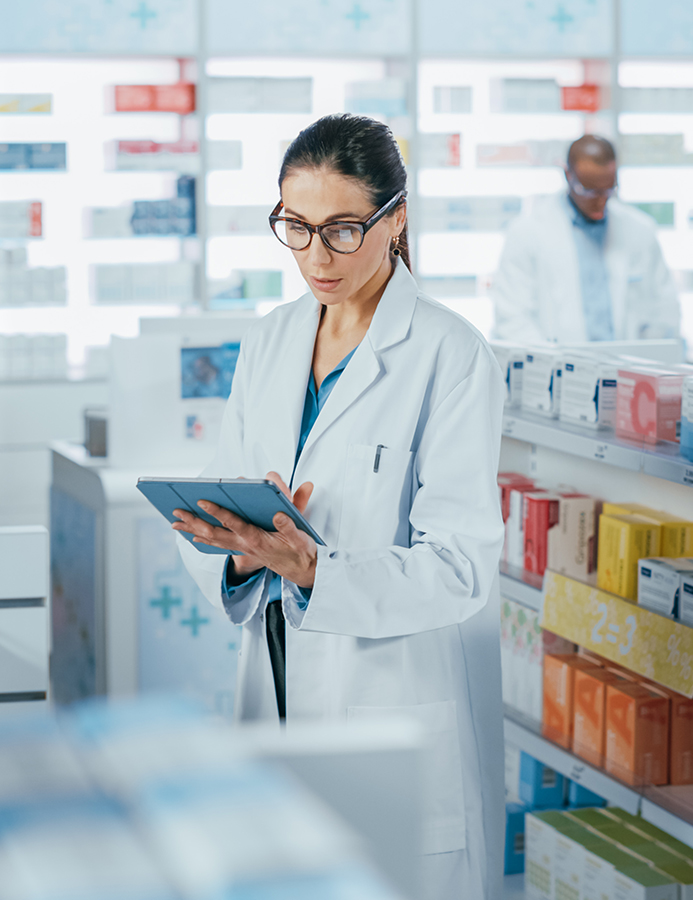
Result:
{"points": [[522, 587], [663, 461], [523, 733]]}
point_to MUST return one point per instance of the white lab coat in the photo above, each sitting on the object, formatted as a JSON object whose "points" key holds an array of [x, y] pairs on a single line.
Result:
{"points": [[404, 612], [537, 293]]}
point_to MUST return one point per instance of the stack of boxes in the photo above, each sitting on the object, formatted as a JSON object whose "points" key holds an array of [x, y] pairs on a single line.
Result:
{"points": [[25, 357], [20, 219], [603, 854], [640, 400], [637, 731], [149, 217], [33, 156], [22, 286], [532, 786]]}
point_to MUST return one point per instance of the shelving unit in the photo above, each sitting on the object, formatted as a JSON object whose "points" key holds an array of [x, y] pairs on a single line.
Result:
{"points": [[573, 453]]}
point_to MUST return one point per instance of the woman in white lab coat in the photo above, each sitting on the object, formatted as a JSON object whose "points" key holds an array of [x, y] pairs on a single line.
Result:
{"points": [[398, 612]]}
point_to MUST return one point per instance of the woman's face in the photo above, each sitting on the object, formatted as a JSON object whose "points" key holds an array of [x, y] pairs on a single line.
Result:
{"points": [[318, 196]]}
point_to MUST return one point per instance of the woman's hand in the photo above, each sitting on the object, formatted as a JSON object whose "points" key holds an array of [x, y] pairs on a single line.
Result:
{"points": [[288, 552]]}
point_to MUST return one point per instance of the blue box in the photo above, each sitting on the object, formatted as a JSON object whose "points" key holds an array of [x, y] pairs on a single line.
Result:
{"points": [[540, 786], [579, 797], [514, 838], [14, 156], [47, 156]]}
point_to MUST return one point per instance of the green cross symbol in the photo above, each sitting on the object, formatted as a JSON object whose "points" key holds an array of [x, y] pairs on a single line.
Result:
{"points": [[195, 621], [143, 14], [358, 15], [165, 602], [562, 18]]}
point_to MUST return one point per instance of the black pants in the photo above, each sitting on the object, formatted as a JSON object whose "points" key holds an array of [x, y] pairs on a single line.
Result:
{"points": [[276, 642]]}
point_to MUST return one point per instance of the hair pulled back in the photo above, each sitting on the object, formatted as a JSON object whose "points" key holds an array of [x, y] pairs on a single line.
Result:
{"points": [[356, 147]]}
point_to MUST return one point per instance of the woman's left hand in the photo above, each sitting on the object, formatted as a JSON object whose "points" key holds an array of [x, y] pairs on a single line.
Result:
{"points": [[291, 553]]}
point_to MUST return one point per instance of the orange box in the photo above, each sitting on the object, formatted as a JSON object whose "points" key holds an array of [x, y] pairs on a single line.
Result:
{"points": [[680, 734], [637, 734], [589, 725], [559, 693]]}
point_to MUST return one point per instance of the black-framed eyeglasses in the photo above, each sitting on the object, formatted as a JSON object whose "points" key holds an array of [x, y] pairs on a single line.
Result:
{"points": [[342, 237]]}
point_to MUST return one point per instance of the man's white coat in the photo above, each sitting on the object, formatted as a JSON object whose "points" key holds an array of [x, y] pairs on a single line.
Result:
{"points": [[404, 615], [536, 290]]}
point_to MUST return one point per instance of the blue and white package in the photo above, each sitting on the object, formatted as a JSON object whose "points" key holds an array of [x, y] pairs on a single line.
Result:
{"points": [[540, 786], [687, 418], [511, 359], [580, 798], [588, 391], [514, 838]]}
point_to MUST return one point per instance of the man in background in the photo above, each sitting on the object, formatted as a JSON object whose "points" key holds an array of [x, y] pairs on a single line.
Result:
{"points": [[582, 266]]}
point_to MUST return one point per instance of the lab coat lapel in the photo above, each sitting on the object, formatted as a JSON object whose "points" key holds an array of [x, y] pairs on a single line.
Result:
{"points": [[288, 391], [389, 326]]}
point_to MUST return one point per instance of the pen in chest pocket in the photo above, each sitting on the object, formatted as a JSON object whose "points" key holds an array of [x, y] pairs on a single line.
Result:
{"points": [[376, 462]]}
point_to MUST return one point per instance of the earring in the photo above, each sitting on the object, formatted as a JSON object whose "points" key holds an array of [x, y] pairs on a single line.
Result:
{"points": [[395, 247]]}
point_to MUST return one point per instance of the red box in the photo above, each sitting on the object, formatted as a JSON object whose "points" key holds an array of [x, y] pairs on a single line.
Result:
{"points": [[539, 514], [648, 403], [506, 482], [583, 98], [135, 148], [178, 98], [35, 221]]}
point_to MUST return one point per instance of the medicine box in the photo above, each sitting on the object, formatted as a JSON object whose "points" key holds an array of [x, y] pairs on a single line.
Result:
{"points": [[559, 693], [540, 786], [676, 533], [648, 403], [680, 734], [637, 734], [588, 392], [572, 544], [506, 482], [514, 838], [514, 547], [579, 797], [178, 98], [659, 584], [623, 540], [651, 831], [541, 382], [589, 724], [540, 517], [511, 358], [687, 418], [686, 600]]}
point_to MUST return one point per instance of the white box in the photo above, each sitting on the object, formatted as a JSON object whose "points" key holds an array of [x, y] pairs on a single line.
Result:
{"points": [[588, 391], [511, 359], [539, 859], [686, 600], [541, 381], [111, 221], [572, 543], [23, 562], [659, 584], [24, 648]]}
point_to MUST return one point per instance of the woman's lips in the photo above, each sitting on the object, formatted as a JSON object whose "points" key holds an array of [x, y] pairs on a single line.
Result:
{"points": [[324, 284]]}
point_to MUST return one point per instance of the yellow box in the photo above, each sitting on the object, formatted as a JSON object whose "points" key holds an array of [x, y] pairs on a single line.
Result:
{"points": [[677, 533], [623, 540]]}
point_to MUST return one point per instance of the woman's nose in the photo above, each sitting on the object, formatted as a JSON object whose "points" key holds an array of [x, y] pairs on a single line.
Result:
{"points": [[318, 252]]}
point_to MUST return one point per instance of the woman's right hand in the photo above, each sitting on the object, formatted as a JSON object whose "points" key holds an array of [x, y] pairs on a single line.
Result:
{"points": [[243, 565]]}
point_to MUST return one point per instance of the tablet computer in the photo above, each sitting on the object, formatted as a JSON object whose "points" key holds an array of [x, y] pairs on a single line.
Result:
{"points": [[254, 500]]}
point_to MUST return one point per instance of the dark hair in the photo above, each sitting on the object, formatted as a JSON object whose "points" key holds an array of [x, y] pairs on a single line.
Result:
{"points": [[356, 147], [591, 146]]}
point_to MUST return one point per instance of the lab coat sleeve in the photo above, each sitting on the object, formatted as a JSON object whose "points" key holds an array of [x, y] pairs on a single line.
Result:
{"points": [[446, 575], [665, 317], [515, 289], [208, 570]]}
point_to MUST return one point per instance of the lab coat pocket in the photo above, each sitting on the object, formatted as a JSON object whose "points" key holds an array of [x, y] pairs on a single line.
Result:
{"points": [[377, 497], [444, 821]]}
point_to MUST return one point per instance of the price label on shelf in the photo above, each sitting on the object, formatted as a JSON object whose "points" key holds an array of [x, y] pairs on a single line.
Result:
{"points": [[623, 632]]}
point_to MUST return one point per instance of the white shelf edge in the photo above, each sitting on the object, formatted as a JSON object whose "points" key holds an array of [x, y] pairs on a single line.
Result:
{"points": [[512, 589], [572, 767], [667, 821], [601, 446]]}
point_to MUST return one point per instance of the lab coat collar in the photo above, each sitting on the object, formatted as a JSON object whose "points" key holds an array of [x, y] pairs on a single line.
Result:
{"points": [[390, 325]]}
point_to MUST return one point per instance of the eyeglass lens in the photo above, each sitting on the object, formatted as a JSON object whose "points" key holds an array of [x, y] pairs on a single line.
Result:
{"points": [[341, 237]]}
